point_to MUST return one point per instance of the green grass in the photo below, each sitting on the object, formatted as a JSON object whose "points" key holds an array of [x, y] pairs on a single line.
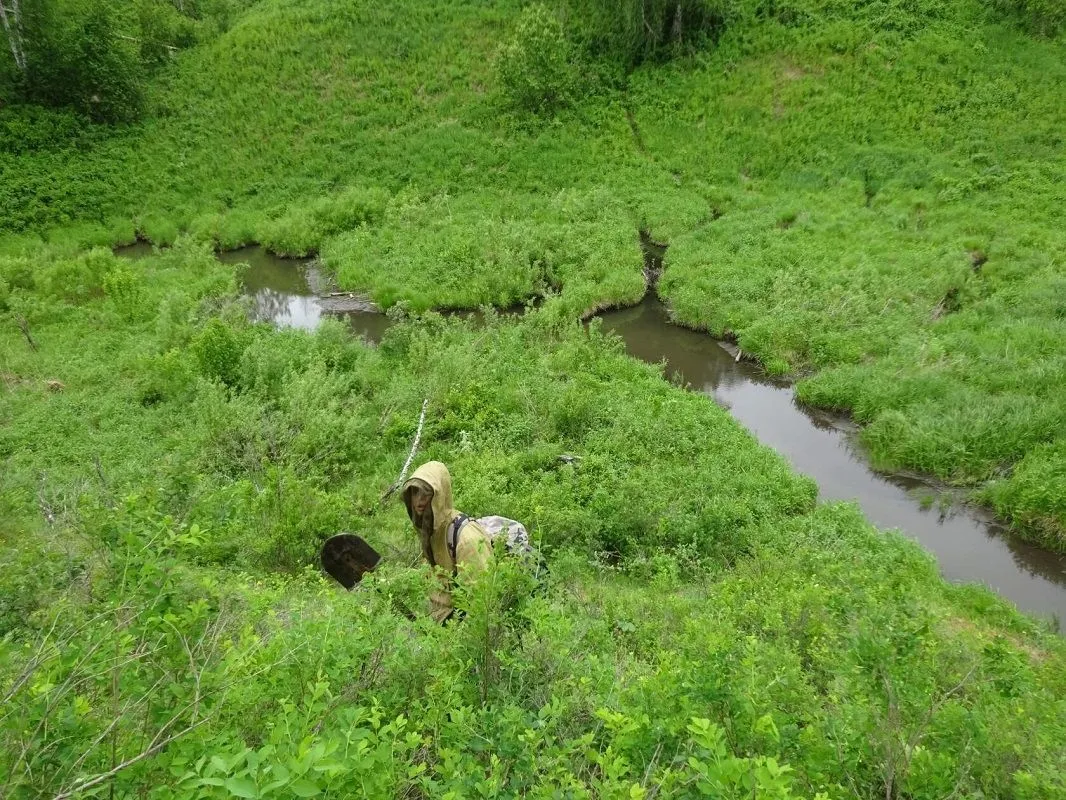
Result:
{"points": [[904, 248], [825, 185], [866, 197], [167, 499]]}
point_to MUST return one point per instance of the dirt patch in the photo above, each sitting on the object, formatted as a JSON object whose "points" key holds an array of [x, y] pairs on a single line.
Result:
{"points": [[958, 625], [347, 302]]}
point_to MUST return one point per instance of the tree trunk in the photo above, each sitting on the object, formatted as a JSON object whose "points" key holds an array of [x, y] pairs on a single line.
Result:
{"points": [[12, 21], [676, 33]]}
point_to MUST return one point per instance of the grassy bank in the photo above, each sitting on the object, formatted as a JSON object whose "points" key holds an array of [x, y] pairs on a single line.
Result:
{"points": [[169, 471], [865, 195], [899, 242]]}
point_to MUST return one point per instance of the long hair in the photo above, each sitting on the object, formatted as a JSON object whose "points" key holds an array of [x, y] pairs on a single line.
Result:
{"points": [[423, 522]]}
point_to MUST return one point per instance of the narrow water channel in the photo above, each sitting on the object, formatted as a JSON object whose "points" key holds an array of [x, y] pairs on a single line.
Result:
{"points": [[292, 293], [968, 543]]}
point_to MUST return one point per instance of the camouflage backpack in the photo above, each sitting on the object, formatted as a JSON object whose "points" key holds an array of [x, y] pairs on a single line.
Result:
{"points": [[512, 532]]}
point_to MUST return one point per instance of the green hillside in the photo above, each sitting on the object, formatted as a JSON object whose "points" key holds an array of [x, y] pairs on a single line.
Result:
{"points": [[871, 195], [866, 195]]}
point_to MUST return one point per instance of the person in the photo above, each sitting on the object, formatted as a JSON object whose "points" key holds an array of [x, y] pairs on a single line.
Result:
{"points": [[427, 494]]}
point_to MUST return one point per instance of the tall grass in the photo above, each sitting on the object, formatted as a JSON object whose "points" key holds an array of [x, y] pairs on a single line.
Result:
{"points": [[170, 471]]}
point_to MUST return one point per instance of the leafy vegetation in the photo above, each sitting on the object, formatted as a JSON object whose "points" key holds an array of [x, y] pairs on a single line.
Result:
{"points": [[627, 33], [865, 195], [93, 56], [169, 476], [1044, 17], [535, 66]]}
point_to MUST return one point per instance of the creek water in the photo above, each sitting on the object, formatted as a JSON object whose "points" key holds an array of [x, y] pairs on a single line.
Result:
{"points": [[967, 542], [291, 293]]}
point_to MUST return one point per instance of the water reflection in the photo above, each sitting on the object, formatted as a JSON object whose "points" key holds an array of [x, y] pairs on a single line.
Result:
{"points": [[134, 251], [968, 543], [287, 292]]}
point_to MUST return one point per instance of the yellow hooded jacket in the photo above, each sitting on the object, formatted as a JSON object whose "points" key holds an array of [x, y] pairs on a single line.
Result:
{"points": [[473, 551]]}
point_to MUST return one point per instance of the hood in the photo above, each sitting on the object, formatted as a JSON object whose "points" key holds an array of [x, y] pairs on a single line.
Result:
{"points": [[437, 477]]}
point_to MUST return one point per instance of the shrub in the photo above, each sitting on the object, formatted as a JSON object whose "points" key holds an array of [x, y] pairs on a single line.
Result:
{"points": [[76, 56], [126, 290], [218, 351], [634, 31], [535, 67], [1045, 17], [74, 279]]}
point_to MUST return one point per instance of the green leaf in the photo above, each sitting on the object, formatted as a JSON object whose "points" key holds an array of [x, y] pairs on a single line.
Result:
{"points": [[301, 787], [280, 771], [241, 787]]}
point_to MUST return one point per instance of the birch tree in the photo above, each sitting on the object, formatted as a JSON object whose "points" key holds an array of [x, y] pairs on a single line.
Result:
{"points": [[11, 17]]}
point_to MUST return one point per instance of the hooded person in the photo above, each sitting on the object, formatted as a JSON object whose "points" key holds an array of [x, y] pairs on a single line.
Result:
{"points": [[427, 494]]}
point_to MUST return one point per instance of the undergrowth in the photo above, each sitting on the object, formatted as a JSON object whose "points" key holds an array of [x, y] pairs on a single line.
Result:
{"points": [[170, 471]]}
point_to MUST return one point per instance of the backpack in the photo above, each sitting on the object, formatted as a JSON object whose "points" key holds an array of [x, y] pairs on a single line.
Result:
{"points": [[512, 531]]}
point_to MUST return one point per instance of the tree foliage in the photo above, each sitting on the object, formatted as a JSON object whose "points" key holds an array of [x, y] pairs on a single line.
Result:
{"points": [[635, 31], [94, 56], [76, 56], [535, 64], [1045, 17]]}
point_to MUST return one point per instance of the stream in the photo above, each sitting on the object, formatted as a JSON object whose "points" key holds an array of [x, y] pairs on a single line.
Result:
{"points": [[292, 293], [969, 544]]}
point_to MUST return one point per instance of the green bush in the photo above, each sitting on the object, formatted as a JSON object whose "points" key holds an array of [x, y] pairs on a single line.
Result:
{"points": [[163, 29], [217, 349], [95, 57], [635, 31], [76, 278], [32, 129], [77, 56], [535, 66], [1044, 17], [126, 290]]}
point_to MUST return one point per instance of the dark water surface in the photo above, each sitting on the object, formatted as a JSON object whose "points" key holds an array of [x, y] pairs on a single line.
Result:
{"points": [[968, 543], [135, 250]]}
